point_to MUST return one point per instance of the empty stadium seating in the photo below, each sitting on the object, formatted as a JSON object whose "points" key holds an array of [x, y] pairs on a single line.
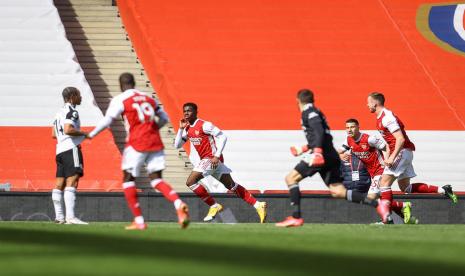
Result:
{"points": [[243, 61], [36, 63]]}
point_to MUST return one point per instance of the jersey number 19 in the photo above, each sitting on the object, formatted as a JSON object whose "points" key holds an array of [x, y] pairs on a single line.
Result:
{"points": [[144, 110]]}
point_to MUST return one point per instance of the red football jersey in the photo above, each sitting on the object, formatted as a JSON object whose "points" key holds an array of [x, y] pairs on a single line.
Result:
{"points": [[200, 134], [367, 149], [387, 123], [139, 111]]}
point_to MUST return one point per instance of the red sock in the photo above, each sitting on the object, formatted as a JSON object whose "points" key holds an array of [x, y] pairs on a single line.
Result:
{"points": [[201, 192], [130, 193], [244, 194], [397, 207], [165, 189], [423, 188], [386, 194]]}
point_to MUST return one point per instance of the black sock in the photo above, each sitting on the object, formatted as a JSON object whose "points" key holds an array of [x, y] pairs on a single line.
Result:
{"points": [[294, 193], [358, 197]]}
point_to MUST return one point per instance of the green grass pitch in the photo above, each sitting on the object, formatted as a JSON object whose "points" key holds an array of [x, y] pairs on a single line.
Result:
{"points": [[33, 248]]}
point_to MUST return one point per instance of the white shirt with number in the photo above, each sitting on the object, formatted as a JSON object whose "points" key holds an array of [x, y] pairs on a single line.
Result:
{"points": [[67, 115]]}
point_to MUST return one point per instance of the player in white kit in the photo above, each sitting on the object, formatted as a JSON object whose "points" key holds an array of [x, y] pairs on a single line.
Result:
{"points": [[70, 166]]}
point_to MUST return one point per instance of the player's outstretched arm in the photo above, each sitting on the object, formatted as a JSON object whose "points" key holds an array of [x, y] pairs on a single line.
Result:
{"points": [[71, 131], [103, 124], [114, 111]]}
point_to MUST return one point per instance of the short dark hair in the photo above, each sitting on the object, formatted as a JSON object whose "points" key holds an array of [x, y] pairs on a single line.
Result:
{"points": [[352, 120], [379, 97], [305, 96], [193, 105], [127, 79], [69, 92]]}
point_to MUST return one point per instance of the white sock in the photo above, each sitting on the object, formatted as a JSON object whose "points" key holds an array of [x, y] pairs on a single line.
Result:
{"points": [[441, 191], [215, 205], [57, 199], [177, 203], [70, 199], [256, 204], [139, 220]]}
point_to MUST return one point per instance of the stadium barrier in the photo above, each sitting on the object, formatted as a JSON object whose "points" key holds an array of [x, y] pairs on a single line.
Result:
{"points": [[316, 208]]}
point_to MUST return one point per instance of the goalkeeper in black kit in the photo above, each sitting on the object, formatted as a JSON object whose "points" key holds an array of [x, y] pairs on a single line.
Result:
{"points": [[318, 156]]}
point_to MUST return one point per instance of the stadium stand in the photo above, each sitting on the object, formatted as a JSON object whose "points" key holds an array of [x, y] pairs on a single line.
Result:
{"points": [[36, 63], [243, 61], [104, 52]]}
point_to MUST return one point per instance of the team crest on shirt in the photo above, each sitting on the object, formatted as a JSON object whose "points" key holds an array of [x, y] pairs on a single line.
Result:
{"points": [[197, 132], [443, 25], [364, 146]]}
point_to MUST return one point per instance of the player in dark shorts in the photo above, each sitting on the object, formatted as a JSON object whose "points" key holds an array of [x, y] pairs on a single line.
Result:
{"points": [[70, 165], [318, 156]]}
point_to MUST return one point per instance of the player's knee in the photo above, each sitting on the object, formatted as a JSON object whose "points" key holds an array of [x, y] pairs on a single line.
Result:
{"points": [[337, 191], [127, 177], [290, 179]]}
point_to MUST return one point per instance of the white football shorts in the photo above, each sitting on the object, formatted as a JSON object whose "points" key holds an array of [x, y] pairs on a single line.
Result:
{"points": [[402, 167], [204, 167], [133, 161], [374, 188]]}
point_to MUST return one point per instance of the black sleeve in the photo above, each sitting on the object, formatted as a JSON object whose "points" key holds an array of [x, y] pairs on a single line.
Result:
{"points": [[314, 131]]}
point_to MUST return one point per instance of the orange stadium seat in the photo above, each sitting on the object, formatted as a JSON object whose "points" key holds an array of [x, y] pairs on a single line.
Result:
{"points": [[243, 61]]}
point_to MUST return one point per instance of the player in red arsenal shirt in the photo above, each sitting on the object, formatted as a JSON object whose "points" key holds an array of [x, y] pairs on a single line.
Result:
{"points": [[398, 165], [143, 118], [370, 149], [209, 142]]}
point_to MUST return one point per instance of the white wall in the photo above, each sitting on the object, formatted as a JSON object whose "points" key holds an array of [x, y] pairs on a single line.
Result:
{"points": [[36, 63], [261, 159]]}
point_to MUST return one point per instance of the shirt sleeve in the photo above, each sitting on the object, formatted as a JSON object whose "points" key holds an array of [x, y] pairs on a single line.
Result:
{"points": [[211, 129], [220, 137], [314, 131], [376, 142], [181, 138], [390, 122], [72, 117], [115, 109]]}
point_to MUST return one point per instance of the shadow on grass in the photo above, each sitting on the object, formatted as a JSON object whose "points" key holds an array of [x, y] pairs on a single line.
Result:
{"points": [[278, 260]]}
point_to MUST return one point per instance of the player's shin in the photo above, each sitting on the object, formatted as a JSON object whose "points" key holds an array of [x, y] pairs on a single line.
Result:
{"points": [[243, 193], [396, 207], [165, 188], [358, 197], [130, 193], [384, 205], [423, 188], [70, 200], [57, 199], [294, 193], [203, 194]]}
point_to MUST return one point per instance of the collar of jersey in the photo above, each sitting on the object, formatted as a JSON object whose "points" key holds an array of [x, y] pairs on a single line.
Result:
{"points": [[307, 106], [381, 113], [72, 105], [196, 120]]}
